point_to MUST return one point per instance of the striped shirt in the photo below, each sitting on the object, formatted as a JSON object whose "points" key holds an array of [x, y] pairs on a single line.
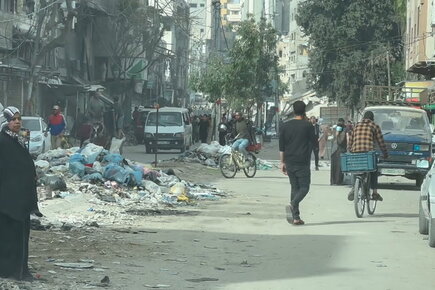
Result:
{"points": [[364, 136]]}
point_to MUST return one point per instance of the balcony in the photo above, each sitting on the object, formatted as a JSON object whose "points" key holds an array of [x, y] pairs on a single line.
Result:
{"points": [[233, 18]]}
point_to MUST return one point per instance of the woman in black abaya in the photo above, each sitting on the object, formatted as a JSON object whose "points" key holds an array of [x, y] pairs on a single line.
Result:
{"points": [[18, 198]]}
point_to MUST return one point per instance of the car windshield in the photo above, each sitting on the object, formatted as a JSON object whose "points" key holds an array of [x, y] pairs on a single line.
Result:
{"points": [[398, 121], [31, 124], [165, 119]]}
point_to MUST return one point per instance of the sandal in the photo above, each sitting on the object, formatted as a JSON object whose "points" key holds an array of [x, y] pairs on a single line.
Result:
{"points": [[377, 196], [298, 222]]}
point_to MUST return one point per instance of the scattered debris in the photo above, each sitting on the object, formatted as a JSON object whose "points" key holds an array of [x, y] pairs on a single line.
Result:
{"points": [[116, 187]]}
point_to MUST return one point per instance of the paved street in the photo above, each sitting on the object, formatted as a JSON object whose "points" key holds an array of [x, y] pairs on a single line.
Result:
{"points": [[244, 242]]}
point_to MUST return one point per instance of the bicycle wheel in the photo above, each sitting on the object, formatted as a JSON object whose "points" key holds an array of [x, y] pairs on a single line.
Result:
{"points": [[252, 168], [371, 204], [359, 198], [227, 166]]}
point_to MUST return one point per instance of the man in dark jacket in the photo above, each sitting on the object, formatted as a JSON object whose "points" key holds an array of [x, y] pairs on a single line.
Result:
{"points": [[18, 198], [296, 141], [241, 131], [316, 144]]}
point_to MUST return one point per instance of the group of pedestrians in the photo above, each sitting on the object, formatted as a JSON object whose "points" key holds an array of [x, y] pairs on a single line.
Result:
{"points": [[201, 128], [300, 137]]}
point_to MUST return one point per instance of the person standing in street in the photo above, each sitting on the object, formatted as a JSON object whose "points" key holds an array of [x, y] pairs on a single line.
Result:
{"points": [[325, 132], [296, 141], [339, 145], [316, 144], [204, 125], [56, 126], [18, 199], [222, 128]]}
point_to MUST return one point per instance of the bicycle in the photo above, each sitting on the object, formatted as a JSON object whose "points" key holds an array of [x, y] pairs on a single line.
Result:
{"points": [[362, 198], [230, 163], [361, 165]]}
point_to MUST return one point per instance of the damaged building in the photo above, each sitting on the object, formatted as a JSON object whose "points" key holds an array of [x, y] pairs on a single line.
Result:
{"points": [[83, 54]]}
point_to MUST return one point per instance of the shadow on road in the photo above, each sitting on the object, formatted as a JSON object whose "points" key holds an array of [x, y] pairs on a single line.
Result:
{"points": [[360, 221], [399, 215], [398, 186]]}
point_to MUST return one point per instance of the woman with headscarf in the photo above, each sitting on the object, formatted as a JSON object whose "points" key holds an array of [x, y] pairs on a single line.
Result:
{"points": [[325, 132], [339, 146], [18, 198]]}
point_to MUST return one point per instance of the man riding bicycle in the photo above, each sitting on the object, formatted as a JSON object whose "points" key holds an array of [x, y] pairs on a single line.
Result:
{"points": [[362, 139], [241, 131]]}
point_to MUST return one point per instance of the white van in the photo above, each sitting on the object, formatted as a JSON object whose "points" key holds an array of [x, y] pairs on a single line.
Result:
{"points": [[174, 130]]}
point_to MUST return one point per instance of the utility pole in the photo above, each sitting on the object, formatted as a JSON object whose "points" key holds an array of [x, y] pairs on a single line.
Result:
{"points": [[216, 49], [217, 20], [389, 75]]}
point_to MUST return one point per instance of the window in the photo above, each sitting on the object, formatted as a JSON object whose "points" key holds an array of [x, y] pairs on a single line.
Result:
{"points": [[8, 6], [202, 30], [201, 5], [193, 5]]}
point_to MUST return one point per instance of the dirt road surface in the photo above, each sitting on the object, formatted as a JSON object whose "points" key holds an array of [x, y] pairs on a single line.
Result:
{"points": [[243, 241]]}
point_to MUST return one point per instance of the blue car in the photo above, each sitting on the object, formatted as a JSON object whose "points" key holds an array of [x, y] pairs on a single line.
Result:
{"points": [[408, 137]]}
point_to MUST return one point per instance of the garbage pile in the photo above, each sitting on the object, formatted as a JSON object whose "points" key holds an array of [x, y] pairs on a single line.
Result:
{"points": [[208, 154], [114, 182]]}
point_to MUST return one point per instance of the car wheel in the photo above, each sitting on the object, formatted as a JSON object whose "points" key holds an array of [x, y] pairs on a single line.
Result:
{"points": [[423, 225], [147, 149], [432, 233], [183, 148], [43, 148]]}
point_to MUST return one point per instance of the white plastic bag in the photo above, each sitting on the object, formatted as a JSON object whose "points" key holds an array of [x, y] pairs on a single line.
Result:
{"points": [[116, 144]]}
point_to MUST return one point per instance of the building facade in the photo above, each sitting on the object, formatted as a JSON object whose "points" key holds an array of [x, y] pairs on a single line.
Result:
{"points": [[420, 39]]}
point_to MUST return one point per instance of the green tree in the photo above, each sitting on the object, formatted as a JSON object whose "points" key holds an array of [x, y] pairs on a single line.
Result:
{"points": [[349, 41], [245, 77], [210, 80], [253, 63]]}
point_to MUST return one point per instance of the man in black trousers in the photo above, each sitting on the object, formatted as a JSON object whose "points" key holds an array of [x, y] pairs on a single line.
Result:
{"points": [[296, 141], [316, 144]]}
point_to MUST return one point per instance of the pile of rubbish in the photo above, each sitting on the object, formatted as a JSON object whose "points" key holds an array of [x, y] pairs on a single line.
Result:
{"points": [[208, 154], [113, 180]]}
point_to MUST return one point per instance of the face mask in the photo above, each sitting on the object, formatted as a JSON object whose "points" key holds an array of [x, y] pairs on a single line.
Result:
{"points": [[339, 129]]}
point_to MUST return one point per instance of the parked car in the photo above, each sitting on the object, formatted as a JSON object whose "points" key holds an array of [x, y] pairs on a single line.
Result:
{"points": [[426, 218], [39, 143]]}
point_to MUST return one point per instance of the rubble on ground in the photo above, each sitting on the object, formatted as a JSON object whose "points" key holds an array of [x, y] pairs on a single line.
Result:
{"points": [[113, 186], [209, 154]]}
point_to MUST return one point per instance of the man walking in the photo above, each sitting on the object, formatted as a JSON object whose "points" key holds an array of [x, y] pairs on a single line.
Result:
{"points": [[316, 143], [296, 141], [57, 126]]}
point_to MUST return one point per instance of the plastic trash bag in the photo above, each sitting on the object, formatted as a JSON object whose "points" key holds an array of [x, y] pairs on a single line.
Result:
{"points": [[116, 144], [114, 158], [97, 176], [212, 149], [42, 164], [77, 168], [126, 176], [54, 182], [91, 152]]}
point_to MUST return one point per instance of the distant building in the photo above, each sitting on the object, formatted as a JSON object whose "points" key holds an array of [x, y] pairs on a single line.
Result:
{"points": [[420, 39]]}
